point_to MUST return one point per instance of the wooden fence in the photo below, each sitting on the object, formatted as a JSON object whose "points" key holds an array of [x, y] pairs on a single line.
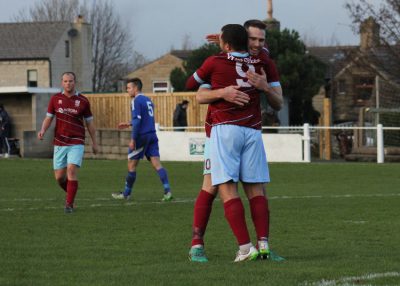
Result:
{"points": [[110, 109]]}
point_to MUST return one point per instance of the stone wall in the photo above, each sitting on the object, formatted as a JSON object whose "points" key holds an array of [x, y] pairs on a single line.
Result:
{"points": [[15, 73], [113, 144]]}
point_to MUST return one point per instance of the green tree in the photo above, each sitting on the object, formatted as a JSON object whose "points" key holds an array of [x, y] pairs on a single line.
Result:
{"points": [[178, 76], [178, 79], [301, 74]]}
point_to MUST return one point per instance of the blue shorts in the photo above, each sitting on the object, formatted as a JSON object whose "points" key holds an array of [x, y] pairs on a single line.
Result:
{"points": [[64, 155], [237, 154], [146, 145], [207, 160]]}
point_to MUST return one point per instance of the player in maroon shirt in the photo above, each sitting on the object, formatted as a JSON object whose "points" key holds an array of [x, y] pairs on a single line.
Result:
{"points": [[72, 111], [273, 91]]}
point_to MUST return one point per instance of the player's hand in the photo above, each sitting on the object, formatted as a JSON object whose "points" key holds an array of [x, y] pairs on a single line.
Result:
{"points": [[132, 144], [233, 94], [123, 125], [213, 38], [95, 149], [259, 81], [40, 135]]}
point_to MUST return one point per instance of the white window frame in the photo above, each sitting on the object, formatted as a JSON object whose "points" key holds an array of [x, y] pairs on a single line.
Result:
{"points": [[160, 89]]}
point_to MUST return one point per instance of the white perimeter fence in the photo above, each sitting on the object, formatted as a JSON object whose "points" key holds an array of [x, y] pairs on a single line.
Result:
{"points": [[289, 144]]}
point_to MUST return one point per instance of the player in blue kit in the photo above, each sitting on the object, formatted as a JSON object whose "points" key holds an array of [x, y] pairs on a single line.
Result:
{"points": [[144, 141]]}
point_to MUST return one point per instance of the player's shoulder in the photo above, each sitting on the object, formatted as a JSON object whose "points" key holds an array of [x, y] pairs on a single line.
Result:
{"points": [[56, 95], [82, 97], [142, 99]]}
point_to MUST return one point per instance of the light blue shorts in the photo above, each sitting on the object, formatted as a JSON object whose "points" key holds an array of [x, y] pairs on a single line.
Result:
{"points": [[64, 155], [207, 160], [237, 154]]}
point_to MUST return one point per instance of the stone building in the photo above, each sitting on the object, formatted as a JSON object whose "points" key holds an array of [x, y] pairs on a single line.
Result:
{"points": [[354, 72], [35, 54], [155, 75]]}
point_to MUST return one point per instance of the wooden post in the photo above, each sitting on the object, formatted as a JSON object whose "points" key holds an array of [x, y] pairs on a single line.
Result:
{"points": [[321, 137], [327, 132]]}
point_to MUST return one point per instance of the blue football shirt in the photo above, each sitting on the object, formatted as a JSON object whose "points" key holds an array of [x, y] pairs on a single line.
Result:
{"points": [[143, 109]]}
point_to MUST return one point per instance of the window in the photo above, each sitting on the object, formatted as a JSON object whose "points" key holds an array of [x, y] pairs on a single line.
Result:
{"points": [[363, 89], [160, 86], [67, 49], [341, 87], [32, 78]]}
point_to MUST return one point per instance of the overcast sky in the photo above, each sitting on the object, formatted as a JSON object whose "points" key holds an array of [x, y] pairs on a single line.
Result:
{"points": [[159, 25]]}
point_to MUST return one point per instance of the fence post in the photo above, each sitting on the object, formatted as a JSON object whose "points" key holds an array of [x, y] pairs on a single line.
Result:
{"points": [[306, 144], [380, 152]]}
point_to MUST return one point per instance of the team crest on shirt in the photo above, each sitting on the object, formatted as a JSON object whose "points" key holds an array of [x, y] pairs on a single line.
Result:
{"points": [[77, 103], [59, 101]]}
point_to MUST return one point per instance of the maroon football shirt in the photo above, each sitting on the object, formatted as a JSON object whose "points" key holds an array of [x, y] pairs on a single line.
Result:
{"points": [[70, 113]]}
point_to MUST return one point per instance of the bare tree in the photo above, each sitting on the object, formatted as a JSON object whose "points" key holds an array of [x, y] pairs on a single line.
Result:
{"points": [[387, 16], [113, 54], [51, 10]]}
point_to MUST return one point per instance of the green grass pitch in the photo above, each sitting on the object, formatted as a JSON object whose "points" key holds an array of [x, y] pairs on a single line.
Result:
{"points": [[335, 223]]}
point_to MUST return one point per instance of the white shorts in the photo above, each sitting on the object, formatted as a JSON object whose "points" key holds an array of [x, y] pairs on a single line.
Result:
{"points": [[237, 154], [207, 159]]}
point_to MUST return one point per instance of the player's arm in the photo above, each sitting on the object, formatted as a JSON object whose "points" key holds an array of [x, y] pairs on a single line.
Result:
{"points": [[92, 132], [272, 90], [48, 119], [45, 125], [136, 120], [230, 93]]}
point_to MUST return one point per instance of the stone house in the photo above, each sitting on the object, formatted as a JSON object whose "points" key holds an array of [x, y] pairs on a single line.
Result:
{"points": [[33, 57], [155, 75], [354, 73], [35, 54]]}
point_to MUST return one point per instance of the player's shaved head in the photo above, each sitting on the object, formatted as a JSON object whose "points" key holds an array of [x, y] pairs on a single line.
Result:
{"points": [[136, 82], [69, 73], [235, 35]]}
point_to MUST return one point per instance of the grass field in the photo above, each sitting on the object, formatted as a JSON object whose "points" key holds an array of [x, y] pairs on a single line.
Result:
{"points": [[336, 224]]}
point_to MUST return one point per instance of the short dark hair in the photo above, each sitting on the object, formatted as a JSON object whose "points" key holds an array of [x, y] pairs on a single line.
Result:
{"points": [[255, 23], [185, 101], [137, 82], [236, 36], [70, 73]]}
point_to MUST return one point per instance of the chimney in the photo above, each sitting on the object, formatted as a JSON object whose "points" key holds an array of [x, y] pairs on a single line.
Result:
{"points": [[369, 34], [80, 19]]}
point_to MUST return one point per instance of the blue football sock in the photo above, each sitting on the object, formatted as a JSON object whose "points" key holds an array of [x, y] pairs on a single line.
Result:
{"points": [[129, 181], [162, 173]]}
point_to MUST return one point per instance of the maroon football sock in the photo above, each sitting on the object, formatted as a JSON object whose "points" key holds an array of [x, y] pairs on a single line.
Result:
{"points": [[202, 211], [260, 216], [234, 214], [72, 188]]}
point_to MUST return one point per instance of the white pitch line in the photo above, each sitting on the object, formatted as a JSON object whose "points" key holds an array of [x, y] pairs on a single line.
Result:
{"points": [[352, 280], [143, 202]]}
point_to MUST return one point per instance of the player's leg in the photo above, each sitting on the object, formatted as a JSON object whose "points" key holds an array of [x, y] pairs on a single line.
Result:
{"points": [[60, 166], [226, 144], [74, 162], [254, 173], [153, 154], [259, 215], [202, 210], [134, 156], [201, 215], [163, 175]]}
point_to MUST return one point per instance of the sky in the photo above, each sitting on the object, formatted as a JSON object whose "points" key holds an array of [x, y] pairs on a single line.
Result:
{"points": [[157, 26]]}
